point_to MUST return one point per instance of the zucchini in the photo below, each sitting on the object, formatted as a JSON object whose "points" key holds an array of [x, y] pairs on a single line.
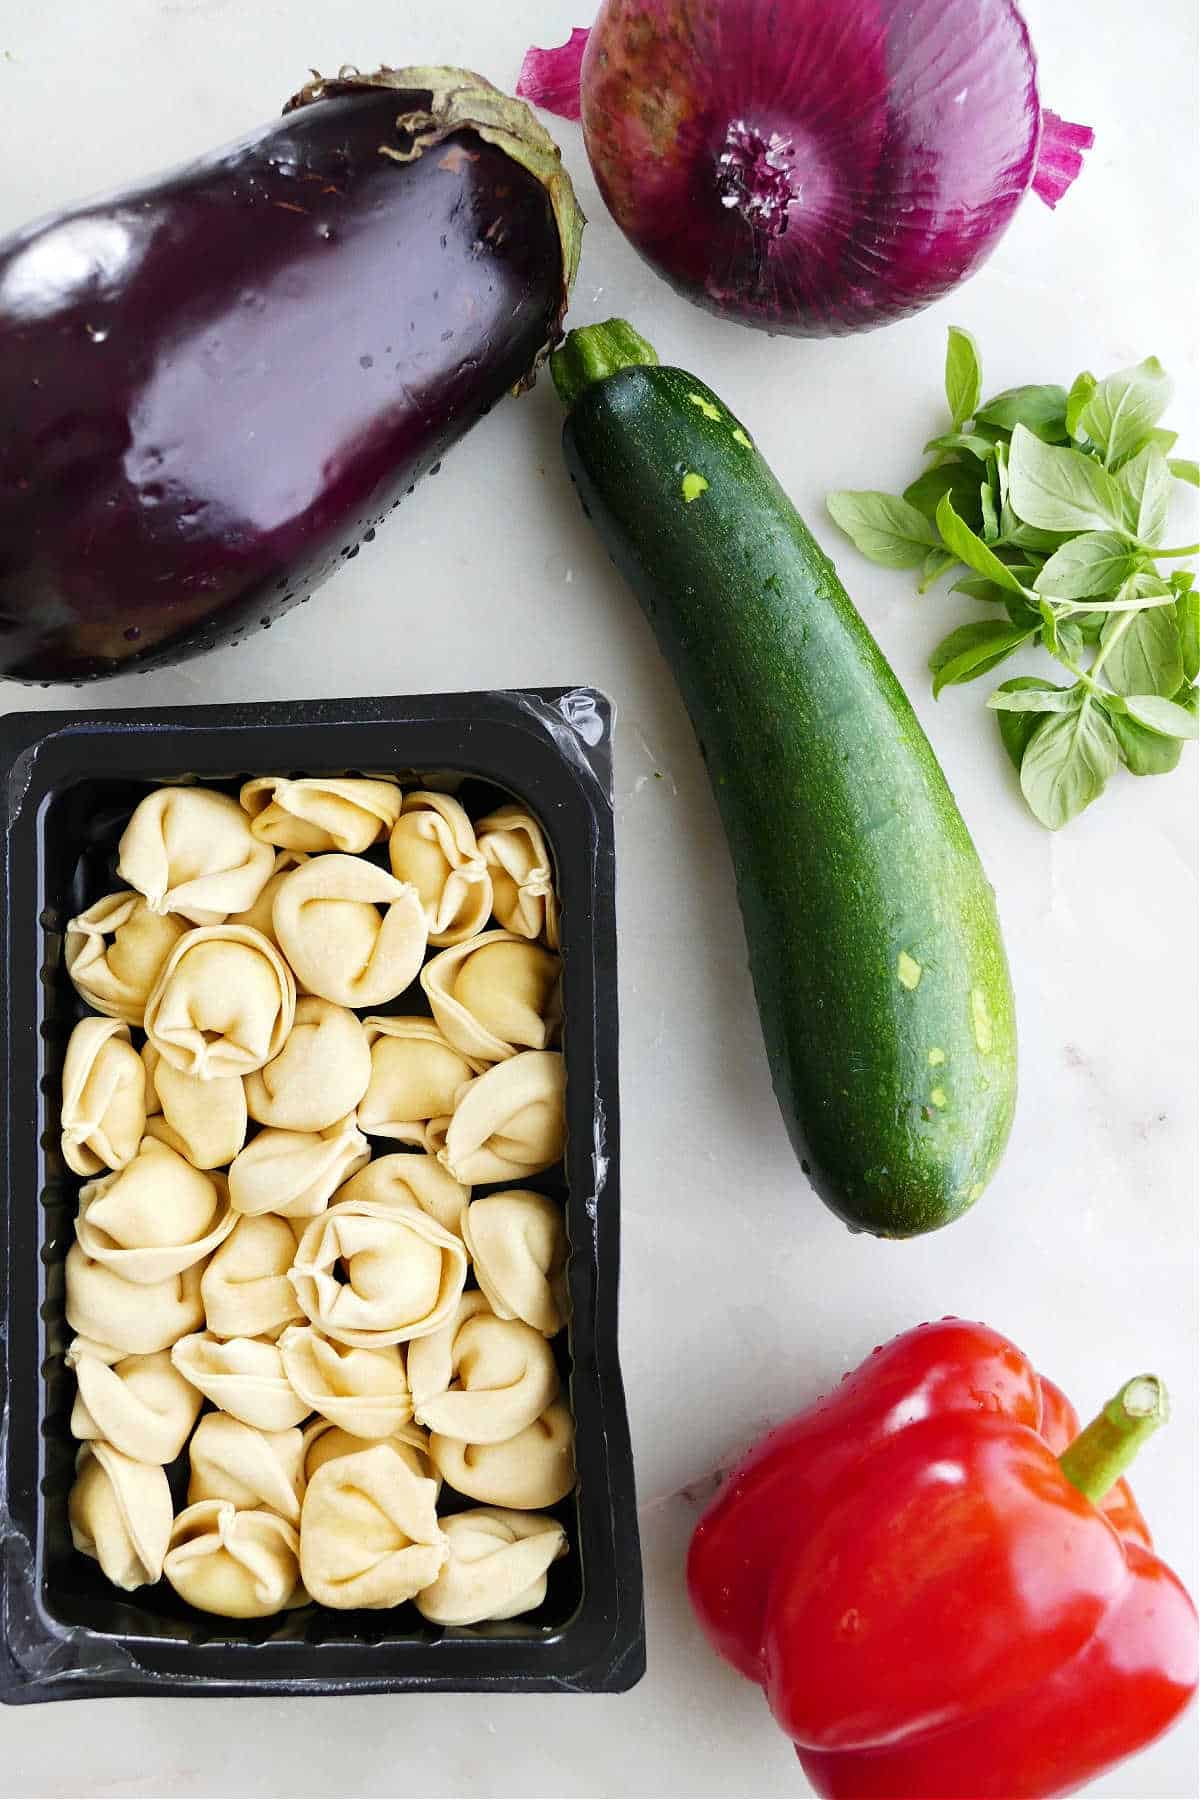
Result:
{"points": [[874, 942]]}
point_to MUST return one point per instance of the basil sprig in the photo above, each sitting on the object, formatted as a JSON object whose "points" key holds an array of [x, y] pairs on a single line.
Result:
{"points": [[1050, 507]]}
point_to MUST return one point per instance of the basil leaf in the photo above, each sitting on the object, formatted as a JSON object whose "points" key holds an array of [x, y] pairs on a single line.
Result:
{"points": [[978, 587], [1124, 407], [1163, 716], [1189, 699], [1184, 470], [959, 480], [1028, 537], [1157, 439], [1040, 699], [978, 447], [1082, 389], [1187, 619], [883, 527], [1043, 410], [1096, 562], [1016, 728], [1144, 752], [964, 375], [1067, 763], [1145, 488], [934, 567], [974, 649], [1090, 625], [970, 549], [1142, 652], [990, 517], [1060, 490]]}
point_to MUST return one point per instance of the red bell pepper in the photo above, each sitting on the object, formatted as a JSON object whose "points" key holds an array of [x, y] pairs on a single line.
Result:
{"points": [[946, 1591]]}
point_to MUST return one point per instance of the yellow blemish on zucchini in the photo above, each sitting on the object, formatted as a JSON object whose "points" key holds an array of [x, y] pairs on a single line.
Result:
{"points": [[739, 437], [909, 970], [706, 406], [937, 1057], [981, 1020], [938, 1097], [693, 486]]}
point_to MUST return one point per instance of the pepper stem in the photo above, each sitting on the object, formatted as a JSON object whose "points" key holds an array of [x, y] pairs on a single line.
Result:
{"points": [[1102, 1452], [593, 353]]}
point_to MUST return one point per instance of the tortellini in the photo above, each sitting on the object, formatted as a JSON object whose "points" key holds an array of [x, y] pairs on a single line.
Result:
{"points": [[319, 1075], [330, 928], [103, 1097], [115, 951], [245, 1288], [155, 1217], [119, 1512], [322, 813], [249, 1468], [364, 1391], [190, 850], [518, 1243], [239, 1565], [510, 1122], [411, 1179], [132, 1319], [205, 1121], [535, 1468], [370, 1274], [244, 1377], [294, 1173], [141, 1405], [480, 1378], [415, 1077], [238, 1242], [494, 995], [223, 1003], [369, 1533], [324, 1441], [496, 1567], [433, 846], [523, 896]]}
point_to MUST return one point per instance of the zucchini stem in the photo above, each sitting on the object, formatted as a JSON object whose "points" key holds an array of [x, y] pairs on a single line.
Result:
{"points": [[593, 353]]}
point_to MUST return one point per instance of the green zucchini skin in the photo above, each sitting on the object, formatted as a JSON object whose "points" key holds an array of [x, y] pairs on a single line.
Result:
{"points": [[874, 942]]}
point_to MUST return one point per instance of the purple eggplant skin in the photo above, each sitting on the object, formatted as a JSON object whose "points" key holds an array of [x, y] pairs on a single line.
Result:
{"points": [[213, 387]]}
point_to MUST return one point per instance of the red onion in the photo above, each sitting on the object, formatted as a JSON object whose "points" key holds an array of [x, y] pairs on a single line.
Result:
{"points": [[810, 166]]}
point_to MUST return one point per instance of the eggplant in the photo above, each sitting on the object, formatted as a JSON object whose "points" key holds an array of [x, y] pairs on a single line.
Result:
{"points": [[215, 386]]}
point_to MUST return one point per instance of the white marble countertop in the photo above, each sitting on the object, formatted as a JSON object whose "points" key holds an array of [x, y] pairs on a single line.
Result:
{"points": [[742, 1297]]}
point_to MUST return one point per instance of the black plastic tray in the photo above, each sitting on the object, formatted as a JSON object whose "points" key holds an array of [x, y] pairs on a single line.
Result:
{"points": [[67, 782]]}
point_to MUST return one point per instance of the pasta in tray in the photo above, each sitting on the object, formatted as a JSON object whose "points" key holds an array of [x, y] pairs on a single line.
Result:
{"points": [[276, 1212]]}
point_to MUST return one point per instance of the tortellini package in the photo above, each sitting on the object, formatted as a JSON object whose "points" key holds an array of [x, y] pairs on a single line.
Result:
{"points": [[415, 1076], [320, 1074], [223, 1004], [295, 1318], [103, 1098], [341, 946], [433, 846], [369, 1533], [496, 1568], [115, 951], [494, 995], [191, 851], [237, 1564]]}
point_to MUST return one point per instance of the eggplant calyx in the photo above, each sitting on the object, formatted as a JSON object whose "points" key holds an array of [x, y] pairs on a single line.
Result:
{"points": [[439, 101]]}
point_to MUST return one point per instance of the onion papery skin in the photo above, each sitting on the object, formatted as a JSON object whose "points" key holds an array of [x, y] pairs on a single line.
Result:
{"points": [[813, 167]]}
